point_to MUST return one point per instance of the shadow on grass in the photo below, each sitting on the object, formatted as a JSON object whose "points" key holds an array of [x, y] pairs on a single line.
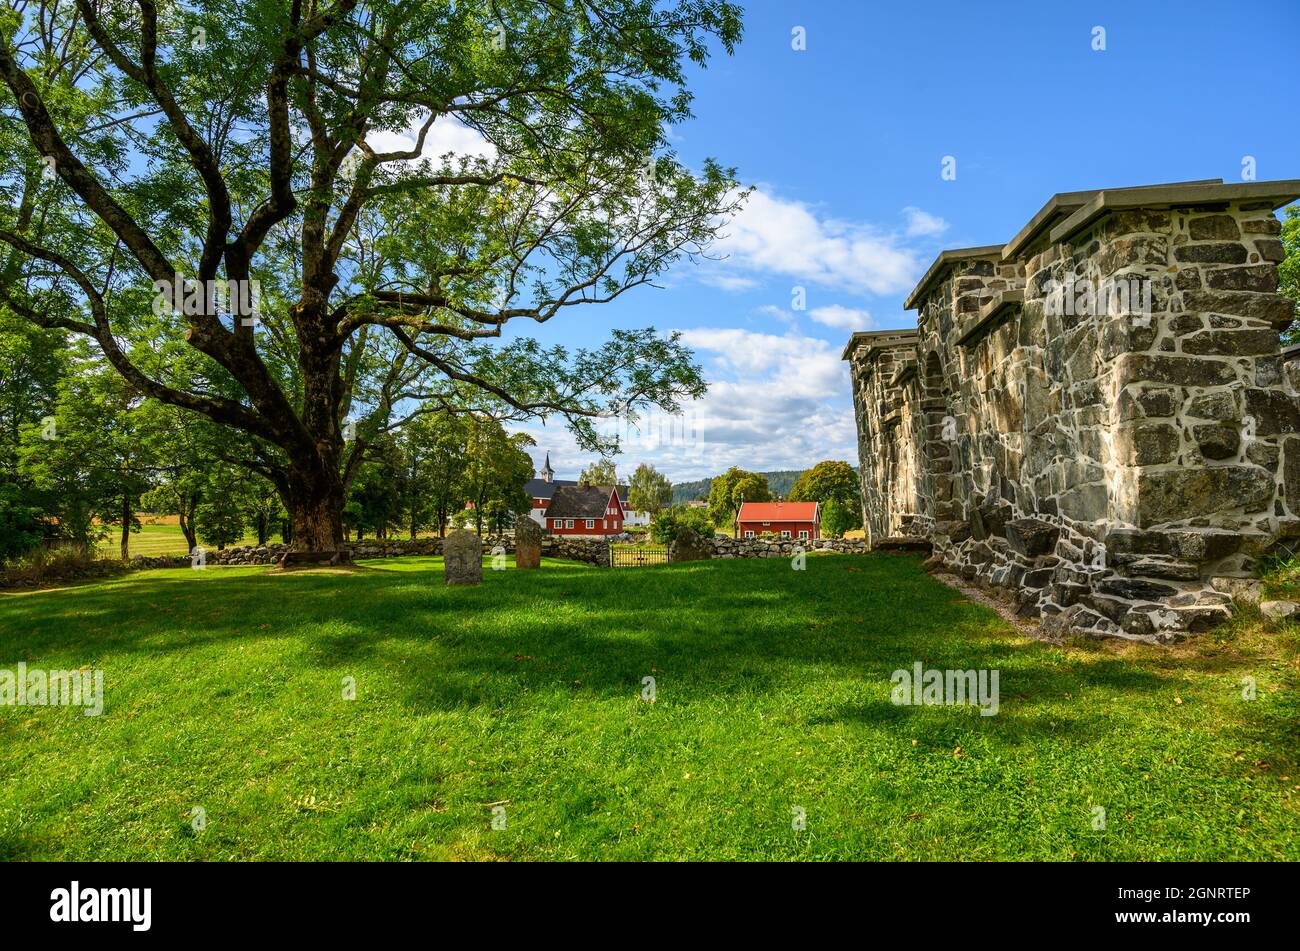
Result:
{"points": [[743, 627]]}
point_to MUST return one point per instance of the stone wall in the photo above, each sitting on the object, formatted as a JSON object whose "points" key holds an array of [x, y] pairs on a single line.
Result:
{"points": [[569, 548], [1099, 410], [591, 551]]}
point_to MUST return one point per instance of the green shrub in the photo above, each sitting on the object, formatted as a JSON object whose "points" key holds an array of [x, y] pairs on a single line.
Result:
{"points": [[664, 527], [21, 528]]}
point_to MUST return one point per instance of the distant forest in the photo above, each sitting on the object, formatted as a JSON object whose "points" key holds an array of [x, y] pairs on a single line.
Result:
{"points": [[780, 482]]}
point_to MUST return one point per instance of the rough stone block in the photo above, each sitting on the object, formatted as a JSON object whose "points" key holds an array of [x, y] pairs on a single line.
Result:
{"points": [[528, 543], [1217, 440], [1274, 411], [462, 553], [1233, 343], [1180, 371], [1146, 443], [1213, 228], [1261, 278], [1174, 494], [1233, 253], [1032, 537]]}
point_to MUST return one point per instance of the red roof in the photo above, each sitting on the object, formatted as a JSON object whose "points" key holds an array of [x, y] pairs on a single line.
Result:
{"points": [[777, 512]]}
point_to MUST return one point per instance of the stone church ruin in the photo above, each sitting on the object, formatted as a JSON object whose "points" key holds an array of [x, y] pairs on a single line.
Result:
{"points": [[1096, 418]]}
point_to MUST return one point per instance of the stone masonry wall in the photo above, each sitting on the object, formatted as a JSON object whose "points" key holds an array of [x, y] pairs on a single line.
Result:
{"points": [[1101, 460]]}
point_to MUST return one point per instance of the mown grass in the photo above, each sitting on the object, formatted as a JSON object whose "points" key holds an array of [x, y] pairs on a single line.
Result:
{"points": [[224, 691], [155, 538]]}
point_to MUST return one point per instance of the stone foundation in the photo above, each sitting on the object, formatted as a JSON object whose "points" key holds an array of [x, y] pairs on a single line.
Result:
{"points": [[1095, 417]]}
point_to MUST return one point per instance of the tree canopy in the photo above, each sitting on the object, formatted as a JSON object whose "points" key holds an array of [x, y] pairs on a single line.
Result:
{"points": [[832, 481], [601, 472], [648, 490], [236, 203], [729, 490]]}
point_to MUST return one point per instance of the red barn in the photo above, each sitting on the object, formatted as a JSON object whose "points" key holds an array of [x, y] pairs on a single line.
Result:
{"points": [[585, 510], [783, 519]]}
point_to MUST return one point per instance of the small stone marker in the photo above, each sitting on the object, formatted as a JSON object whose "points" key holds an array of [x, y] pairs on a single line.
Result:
{"points": [[690, 545], [528, 543], [462, 556]]}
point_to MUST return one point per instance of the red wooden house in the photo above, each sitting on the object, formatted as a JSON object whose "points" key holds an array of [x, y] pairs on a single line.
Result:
{"points": [[796, 520], [585, 510]]}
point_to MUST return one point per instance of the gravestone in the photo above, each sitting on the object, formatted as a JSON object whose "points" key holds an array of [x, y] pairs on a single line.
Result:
{"points": [[690, 545], [528, 543], [462, 556]]}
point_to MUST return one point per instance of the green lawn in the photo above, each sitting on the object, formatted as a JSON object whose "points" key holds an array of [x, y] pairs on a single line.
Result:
{"points": [[224, 692], [154, 539]]}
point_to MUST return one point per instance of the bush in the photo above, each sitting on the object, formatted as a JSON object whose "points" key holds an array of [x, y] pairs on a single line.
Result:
{"points": [[836, 519], [664, 527], [21, 527], [70, 560]]}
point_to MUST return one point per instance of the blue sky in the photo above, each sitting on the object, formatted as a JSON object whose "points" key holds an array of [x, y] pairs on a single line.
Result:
{"points": [[844, 142]]}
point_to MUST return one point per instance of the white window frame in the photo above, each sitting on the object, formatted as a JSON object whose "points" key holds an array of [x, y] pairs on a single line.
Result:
{"points": [[785, 533], [749, 533], [803, 533], [568, 523], [591, 523]]}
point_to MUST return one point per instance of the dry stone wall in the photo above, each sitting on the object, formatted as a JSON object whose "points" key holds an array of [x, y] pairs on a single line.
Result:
{"points": [[1100, 413]]}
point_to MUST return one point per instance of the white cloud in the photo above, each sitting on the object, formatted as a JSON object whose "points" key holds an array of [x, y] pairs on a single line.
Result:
{"points": [[923, 224], [445, 135], [727, 282], [842, 318], [774, 402], [789, 238]]}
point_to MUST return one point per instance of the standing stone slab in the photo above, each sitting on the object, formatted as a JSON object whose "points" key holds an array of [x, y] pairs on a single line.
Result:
{"points": [[528, 543], [690, 545], [462, 554]]}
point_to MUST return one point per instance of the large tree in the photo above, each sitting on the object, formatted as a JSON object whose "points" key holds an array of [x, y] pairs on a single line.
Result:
{"points": [[154, 147], [498, 467], [600, 472], [648, 490], [728, 491], [832, 481]]}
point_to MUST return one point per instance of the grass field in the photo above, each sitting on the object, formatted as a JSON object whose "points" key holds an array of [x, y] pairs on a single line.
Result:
{"points": [[524, 695], [157, 536]]}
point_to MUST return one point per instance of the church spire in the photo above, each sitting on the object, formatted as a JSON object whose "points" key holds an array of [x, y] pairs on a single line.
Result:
{"points": [[547, 473]]}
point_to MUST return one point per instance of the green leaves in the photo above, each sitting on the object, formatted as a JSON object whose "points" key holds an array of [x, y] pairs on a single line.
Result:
{"points": [[830, 482], [735, 486], [403, 181]]}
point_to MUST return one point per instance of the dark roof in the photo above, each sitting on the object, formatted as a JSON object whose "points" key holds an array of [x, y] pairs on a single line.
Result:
{"points": [[541, 489], [579, 501]]}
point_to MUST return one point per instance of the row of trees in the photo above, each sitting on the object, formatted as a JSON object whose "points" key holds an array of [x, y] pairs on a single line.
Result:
{"points": [[82, 455], [831, 483], [648, 490]]}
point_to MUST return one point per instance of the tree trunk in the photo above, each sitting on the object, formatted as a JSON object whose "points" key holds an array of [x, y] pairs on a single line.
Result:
{"points": [[263, 528], [316, 513], [185, 516], [126, 527]]}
